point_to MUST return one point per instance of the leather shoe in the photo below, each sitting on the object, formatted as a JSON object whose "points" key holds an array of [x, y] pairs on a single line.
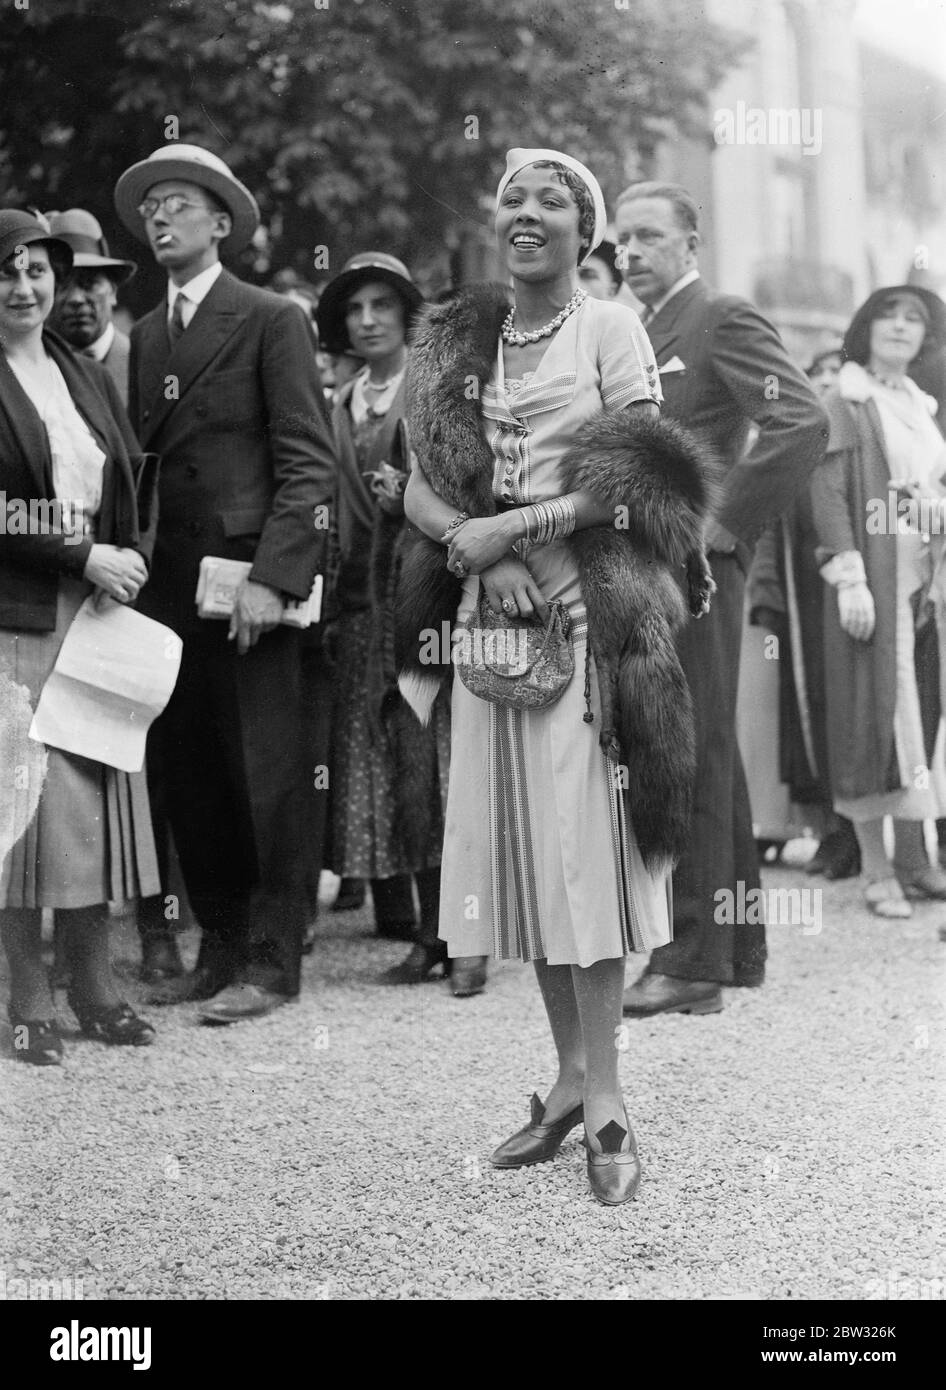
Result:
{"points": [[536, 1142], [239, 1001], [160, 959], [665, 994], [467, 976], [417, 965], [351, 895], [115, 1024], [201, 983], [614, 1173]]}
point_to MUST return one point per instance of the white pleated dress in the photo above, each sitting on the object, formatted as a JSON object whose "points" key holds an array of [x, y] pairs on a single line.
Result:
{"points": [[540, 861]]}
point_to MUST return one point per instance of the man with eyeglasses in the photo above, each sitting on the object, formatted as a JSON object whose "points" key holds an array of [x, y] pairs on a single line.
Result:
{"points": [[86, 298], [225, 387]]}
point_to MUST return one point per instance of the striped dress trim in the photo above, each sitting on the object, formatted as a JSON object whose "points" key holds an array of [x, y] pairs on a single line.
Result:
{"points": [[516, 935]]}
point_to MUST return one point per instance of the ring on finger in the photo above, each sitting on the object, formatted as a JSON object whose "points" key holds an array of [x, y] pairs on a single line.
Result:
{"points": [[508, 604]]}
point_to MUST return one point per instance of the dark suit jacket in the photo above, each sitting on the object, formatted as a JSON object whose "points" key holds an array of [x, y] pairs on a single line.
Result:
{"points": [[116, 362], [30, 564], [737, 372], [238, 414]]}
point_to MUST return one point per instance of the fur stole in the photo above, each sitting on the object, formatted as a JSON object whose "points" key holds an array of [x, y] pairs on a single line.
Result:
{"points": [[660, 483]]}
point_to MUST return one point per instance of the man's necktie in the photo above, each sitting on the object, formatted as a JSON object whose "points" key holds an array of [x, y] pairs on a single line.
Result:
{"points": [[646, 316], [176, 326]]}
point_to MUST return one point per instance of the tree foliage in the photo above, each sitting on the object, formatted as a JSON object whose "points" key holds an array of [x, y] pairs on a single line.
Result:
{"points": [[355, 122]]}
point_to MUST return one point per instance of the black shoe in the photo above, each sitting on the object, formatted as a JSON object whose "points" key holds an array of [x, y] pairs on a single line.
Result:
{"points": [[351, 894], [838, 856], [201, 983], [467, 976], [36, 1041], [536, 1142], [397, 931], [417, 965], [115, 1024], [160, 959]]}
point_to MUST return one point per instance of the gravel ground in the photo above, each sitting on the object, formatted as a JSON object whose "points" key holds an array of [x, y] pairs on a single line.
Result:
{"points": [[791, 1145]]}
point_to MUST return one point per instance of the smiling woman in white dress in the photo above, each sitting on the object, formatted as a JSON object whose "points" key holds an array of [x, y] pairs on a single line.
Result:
{"points": [[561, 822]]}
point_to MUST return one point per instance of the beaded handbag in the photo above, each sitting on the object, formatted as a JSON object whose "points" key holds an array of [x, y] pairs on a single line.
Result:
{"points": [[521, 663]]}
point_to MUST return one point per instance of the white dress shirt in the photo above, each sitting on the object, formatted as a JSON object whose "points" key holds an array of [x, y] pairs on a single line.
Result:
{"points": [[675, 288], [99, 349], [195, 292]]}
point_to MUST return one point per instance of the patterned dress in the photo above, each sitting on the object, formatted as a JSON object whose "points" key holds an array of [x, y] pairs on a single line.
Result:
{"points": [[365, 840], [540, 860]]}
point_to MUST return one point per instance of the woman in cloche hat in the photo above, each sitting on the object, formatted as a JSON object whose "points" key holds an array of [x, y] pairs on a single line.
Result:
{"points": [[389, 775], [74, 834], [879, 503]]}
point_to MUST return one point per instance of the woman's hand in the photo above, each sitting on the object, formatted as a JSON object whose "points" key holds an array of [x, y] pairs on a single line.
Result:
{"points": [[856, 610], [116, 571], [480, 542], [510, 582]]}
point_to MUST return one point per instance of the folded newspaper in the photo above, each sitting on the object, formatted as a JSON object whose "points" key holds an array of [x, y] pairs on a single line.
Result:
{"points": [[219, 579], [113, 676]]}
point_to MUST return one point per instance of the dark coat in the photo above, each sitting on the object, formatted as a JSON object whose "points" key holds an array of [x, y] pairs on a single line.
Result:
{"points": [[634, 604], [861, 677], [736, 372], [373, 545], [238, 414], [30, 565]]}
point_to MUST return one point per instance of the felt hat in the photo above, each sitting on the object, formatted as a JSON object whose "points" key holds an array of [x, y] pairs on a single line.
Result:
{"points": [[362, 269], [23, 229], [89, 247]]}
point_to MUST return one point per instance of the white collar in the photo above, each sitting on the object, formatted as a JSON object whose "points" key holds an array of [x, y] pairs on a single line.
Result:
{"points": [[855, 383], [196, 289], [100, 348], [686, 279]]}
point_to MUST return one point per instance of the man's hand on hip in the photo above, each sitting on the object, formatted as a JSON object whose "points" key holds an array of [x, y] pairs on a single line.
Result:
{"points": [[256, 609]]}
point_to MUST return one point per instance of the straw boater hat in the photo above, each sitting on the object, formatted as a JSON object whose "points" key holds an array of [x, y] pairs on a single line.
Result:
{"points": [[362, 270], [89, 247], [23, 229], [198, 166]]}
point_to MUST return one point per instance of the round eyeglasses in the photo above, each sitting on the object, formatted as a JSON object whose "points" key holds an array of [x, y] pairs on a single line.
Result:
{"points": [[173, 203]]}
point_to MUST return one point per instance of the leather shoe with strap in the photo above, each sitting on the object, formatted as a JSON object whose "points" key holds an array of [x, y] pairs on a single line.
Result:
{"points": [[241, 1001], [665, 994], [536, 1142]]}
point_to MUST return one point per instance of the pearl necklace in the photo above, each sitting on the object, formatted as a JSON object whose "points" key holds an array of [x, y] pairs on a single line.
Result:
{"points": [[515, 338], [891, 383]]}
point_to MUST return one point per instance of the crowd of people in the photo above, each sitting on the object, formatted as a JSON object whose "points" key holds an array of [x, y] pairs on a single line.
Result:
{"points": [[533, 460]]}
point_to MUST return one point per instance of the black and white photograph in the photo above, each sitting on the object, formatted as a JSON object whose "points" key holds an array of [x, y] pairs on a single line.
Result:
{"points": [[473, 667]]}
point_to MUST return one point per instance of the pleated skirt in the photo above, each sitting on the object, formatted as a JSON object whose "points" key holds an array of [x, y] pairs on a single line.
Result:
{"points": [[540, 860], [87, 838]]}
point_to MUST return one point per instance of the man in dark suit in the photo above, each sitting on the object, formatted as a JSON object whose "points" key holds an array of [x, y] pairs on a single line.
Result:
{"points": [[86, 299], [225, 386], [722, 368]]}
